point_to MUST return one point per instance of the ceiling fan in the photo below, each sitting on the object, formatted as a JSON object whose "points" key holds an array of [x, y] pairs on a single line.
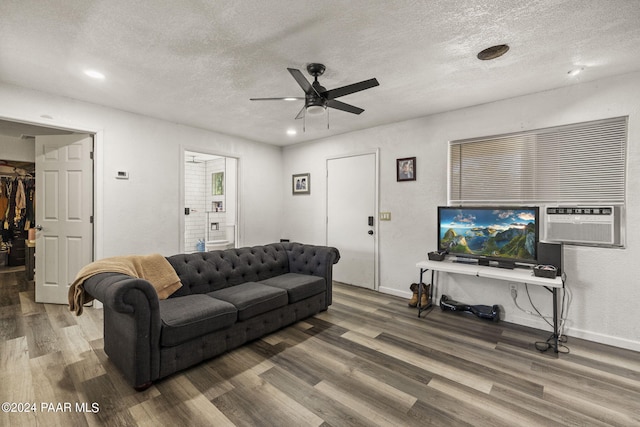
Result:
{"points": [[317, 98]]}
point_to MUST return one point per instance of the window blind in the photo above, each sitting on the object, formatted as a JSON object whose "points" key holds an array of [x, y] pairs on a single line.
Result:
{"points": [[577, 163]]}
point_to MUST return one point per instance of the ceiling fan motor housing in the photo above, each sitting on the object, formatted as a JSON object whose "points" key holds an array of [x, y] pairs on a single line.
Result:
{"points": [[315, 104]]}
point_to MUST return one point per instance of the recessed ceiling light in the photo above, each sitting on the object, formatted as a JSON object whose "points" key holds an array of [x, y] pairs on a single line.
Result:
{"points": [[493, 52], [575, 72], [291, 132], [94, 74]]}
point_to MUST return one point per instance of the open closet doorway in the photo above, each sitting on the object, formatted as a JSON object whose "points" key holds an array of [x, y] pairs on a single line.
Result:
{"points": [[50, 235], [210, 202]]}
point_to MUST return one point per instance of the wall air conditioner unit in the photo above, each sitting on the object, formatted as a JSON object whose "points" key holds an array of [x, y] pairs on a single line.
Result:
{"points": [[583, 225]]}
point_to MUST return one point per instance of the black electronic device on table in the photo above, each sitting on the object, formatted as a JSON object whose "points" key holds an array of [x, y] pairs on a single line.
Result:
{"points": [[495, 236], [550, 253], [437, 255], [548, 271], [481, 311]]}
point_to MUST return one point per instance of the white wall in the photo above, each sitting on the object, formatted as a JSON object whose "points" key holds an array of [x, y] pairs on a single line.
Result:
{"points": [[142, 214], [604, 281], [18, 149]]}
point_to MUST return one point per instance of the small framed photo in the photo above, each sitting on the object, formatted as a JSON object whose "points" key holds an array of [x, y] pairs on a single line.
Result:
{"points": [[301, 183], [406, 169]]}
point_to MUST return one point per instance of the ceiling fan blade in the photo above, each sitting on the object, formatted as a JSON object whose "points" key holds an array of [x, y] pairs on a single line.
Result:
{"points": [[344, 107], [302, 81], [346, 90], [286, 98], [301, 113]]}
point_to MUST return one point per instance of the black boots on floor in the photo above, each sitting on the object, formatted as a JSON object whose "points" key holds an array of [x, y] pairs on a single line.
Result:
{"points": [[424, 298]]}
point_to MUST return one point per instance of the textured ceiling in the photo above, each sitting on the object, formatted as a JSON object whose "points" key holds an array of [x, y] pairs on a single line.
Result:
{"points": [[198, 62]]}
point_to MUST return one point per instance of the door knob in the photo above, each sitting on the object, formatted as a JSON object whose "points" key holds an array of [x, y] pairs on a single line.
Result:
{"points": [[39, 227], [370, 232]]}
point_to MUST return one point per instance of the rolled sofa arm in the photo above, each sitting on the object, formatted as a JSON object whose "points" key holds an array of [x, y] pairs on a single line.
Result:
{"points": [[131, 324], [313, 260], [112, 289]]}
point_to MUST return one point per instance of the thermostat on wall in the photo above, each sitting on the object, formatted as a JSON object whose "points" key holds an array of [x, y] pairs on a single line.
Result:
{"points": [[122, 175]]}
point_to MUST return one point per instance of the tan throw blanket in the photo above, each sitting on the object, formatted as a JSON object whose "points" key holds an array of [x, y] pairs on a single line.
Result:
{"points": [[155, 268]]}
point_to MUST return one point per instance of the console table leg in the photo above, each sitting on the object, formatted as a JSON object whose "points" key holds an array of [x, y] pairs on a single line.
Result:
{"points": [[556, 333], [430, 304], [420, 292]]}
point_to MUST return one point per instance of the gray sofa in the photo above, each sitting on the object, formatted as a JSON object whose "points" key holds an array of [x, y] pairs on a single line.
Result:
{"points": [[228, 298]]}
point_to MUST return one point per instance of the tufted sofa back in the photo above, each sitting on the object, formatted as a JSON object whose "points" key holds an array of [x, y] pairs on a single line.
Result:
{"points": [[306, 259], [203, 272]]}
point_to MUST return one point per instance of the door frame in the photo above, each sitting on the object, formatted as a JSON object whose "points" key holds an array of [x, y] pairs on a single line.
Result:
{"points": [[239, 217], [376, 222], [98, 169]]}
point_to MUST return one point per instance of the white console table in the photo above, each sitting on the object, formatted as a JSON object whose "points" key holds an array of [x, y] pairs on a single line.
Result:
{"points": [[519, 275]]}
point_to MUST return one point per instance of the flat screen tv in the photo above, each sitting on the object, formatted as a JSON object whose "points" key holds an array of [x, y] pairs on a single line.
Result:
{"points": [[501, 235]]}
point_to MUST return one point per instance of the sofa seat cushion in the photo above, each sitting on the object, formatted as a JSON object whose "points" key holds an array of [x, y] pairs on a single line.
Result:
{"points": [[252, 299], [191, 316], [298, 286]]}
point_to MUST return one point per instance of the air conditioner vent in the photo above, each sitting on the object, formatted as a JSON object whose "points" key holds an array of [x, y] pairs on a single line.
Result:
{"points": [[592, 225]]}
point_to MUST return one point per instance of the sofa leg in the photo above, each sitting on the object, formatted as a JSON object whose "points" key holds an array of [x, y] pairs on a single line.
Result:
{"points": [[143, 387]]}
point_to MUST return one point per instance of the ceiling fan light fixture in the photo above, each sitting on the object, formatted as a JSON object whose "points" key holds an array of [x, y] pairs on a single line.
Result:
{"points": [[493, 52], [315, 109]]}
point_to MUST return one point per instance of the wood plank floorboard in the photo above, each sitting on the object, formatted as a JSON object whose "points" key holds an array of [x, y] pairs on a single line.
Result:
{"points": [[368, 360]]}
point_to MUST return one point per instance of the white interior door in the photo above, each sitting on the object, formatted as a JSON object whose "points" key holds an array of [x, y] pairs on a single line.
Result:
{"points": [[64, 209], [351, 218]]}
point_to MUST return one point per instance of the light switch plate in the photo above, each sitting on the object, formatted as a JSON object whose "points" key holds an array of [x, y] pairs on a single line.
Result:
{"points": [[385, 216]]}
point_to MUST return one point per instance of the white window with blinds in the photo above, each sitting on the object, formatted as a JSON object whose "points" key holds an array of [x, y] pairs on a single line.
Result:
{"points": [[577, 164]]}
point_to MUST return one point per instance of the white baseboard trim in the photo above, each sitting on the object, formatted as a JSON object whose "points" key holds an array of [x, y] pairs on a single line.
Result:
{"points": [[532, 322], [395, 292], [603, 339]]}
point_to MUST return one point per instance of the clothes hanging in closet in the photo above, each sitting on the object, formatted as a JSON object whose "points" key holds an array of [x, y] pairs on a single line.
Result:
{"points": [[21, 201], [30, 210], [4, 199], [6, 229], [17, 205], [11, 209]]}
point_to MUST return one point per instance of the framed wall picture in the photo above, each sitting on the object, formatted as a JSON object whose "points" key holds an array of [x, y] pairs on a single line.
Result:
{"points": [[217, 183], [406, 169], [301, 183]]}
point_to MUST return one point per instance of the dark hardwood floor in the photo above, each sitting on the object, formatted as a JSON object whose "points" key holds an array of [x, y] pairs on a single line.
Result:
{"points": [[367, 361]]}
